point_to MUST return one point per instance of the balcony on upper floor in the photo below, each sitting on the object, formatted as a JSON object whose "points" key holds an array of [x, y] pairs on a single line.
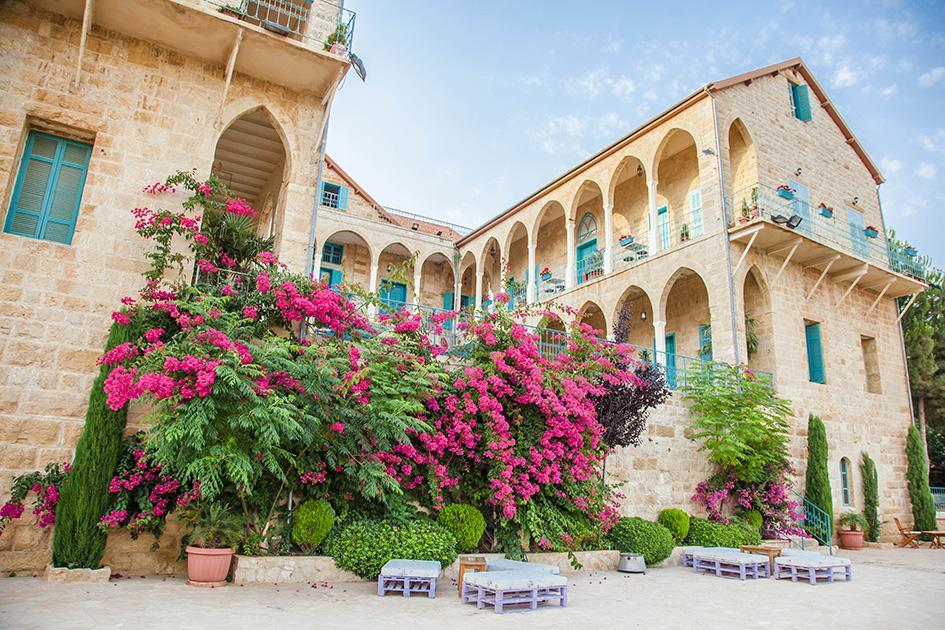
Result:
{"points": [[837, 244], [299, 44]]}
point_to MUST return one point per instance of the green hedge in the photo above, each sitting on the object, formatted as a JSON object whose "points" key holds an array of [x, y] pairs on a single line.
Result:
{"points": [[364, 547], [465, 522], [676, 521], [754, 518], [635, 535], [708, 534], [311, 522]]}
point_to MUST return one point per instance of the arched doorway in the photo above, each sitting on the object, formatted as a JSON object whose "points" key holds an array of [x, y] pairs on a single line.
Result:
{"points": [[743, 166], [688, 333], [587, 212], [250, 158], [592, 315], [345, 257], [631, 205], [678, 194], [394, 275], [437, 282], [491, 264], [516, 257], [550, 237], [633, 319], [467, 276]]}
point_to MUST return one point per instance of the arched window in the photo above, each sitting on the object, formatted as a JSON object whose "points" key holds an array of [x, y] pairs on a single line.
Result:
{"points": [[587, 228], [846, 495]]}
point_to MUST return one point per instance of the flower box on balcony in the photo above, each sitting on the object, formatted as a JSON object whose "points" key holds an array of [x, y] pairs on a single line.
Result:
{"points": [[911, 252], [545, 275], [785, 192], [625, 240], [871, 232], [825, 211]]}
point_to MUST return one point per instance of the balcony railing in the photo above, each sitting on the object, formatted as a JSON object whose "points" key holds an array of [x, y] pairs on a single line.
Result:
{"points": [[550, 284], [590, 266], [314, 21], [462, 230], [826, 227]]}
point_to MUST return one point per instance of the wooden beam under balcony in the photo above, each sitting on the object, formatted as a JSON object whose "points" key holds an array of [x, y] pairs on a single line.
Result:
{"points": [[834, 263]]}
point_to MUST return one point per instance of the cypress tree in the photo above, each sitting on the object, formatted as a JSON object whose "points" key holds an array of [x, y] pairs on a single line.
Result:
{"points": [[870, 498], [923, 505], [817, 481], [77, 541]]}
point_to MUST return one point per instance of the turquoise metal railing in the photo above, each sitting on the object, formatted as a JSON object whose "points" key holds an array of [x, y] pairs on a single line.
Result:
{"points": [[816, 522], [590, 267], [831, 228], [939, 495], [313, 20]]}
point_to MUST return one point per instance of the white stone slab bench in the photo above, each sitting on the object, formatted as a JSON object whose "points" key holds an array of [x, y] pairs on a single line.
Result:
{"points": [[518, 587], [503, 564], [812, 567], [687, 554], [409, 576], [724, 563]]}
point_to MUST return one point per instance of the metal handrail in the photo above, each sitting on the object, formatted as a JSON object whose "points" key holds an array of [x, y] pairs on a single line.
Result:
{"points": [[311, 20], [459, 229], [816, 522]]}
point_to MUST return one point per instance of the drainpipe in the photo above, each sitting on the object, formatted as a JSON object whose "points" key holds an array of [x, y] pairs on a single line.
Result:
{"points": [[728, 242]]}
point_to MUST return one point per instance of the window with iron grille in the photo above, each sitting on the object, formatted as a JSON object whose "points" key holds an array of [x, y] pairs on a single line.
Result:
{"points": [[333, 253]]}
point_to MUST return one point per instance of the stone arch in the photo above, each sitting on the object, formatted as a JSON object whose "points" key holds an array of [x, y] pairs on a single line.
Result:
{"points": [[676, 169], [468, 267], [634, 313], [395, 273], [551, 247], [515, 254], [549, 213], [685, 309], [743, 164], [437, 280], [492, 266], [593, 315], [758, 318], [351, 263], [629, 198], [586, 199]]}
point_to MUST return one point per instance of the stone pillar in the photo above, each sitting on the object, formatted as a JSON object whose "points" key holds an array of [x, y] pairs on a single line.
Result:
{"points": [[457, 291], [653, 241], [478, 296], [531, 291], [570, 277], [609, 238], [416, 285], [659, 332], [372, 282]]}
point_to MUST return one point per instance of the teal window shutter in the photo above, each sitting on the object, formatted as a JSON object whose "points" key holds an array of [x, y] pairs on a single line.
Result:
{"points": [[447, 300], [662, 225], [801, 98], [815, 354], [333, 253], [48, 190], [695, 208], [342, 197]]}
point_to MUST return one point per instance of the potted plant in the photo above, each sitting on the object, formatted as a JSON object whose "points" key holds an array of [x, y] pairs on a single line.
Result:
{"points": [[786, 191], [214, 529], [825, 210], [625, 240], [852, 527], [545, 274], [909, 250], [232, 11], [337, 42], [684, 233], [871, 231]]}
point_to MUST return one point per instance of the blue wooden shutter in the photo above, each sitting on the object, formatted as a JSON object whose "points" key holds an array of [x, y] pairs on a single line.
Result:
{"points": [[447, 300], [662, 224], [801, 102], [321, 194], [342, 197], [48, 188], [695, 207], [815, 354]]}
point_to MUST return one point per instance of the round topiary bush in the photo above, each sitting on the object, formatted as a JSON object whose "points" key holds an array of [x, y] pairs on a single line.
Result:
{"points": [[311, 522], [364, 547], [465, 522], [709, 534], [676, 521], [635, 535]]}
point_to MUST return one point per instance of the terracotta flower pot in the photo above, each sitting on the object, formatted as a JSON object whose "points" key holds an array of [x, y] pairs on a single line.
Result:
{"points": [[850, 539], [208, 567]]}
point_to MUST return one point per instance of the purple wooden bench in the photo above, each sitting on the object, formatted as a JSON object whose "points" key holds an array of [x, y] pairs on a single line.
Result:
{"points": [[812, 567], [514, 588], [724, 563], [409, 576], [688, 553]]}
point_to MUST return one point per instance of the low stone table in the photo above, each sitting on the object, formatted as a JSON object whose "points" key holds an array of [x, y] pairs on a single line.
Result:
{"points": [[409, 576], [812, 568], [724, 563], [514, 588]]}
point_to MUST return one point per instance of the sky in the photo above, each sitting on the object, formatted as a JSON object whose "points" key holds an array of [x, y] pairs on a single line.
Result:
{"points": [[469, 107]]}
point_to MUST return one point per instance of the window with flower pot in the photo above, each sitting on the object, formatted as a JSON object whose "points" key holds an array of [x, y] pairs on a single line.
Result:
{"points": [[48, 188]]}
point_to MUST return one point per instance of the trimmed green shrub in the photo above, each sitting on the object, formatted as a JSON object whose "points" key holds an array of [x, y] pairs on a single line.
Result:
{"points": [[635, 535], [870, 498], [752, 518], [465, 522], [78, 542], [676, 521], [923, 504], [311, 522], [708, 534], [817, 480], [364, 547]]}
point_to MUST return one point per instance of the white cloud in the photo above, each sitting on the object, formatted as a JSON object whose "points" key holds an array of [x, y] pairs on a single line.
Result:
{"points": [[589, 85], [611, 125], [825, 52], [933, 76], [623, 87], [904, 66], [933, 141], [888, 91], [533, 81], [890, 165], [612, 45], [927, 171], [895, 31], [560, 134], [845, 76]]}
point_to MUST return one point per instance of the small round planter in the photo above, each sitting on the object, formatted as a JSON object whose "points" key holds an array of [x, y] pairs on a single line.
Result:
{"points": [[208, 567], [850, 539]]}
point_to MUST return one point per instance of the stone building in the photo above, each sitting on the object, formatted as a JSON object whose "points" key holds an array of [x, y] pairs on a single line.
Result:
{"points": [[680, 221]]}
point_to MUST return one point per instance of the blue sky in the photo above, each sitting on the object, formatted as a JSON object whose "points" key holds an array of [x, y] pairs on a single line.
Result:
{"points": [[470, 106]]}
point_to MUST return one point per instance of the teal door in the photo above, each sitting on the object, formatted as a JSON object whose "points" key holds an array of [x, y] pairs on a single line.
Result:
{"points": [[662, 226], [671, 360], [586, 263], [393, 295], [857, 233], [801, 207]]}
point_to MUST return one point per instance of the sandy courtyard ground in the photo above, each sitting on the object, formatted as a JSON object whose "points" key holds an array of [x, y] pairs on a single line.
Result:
{"points": [[890, 589]]}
